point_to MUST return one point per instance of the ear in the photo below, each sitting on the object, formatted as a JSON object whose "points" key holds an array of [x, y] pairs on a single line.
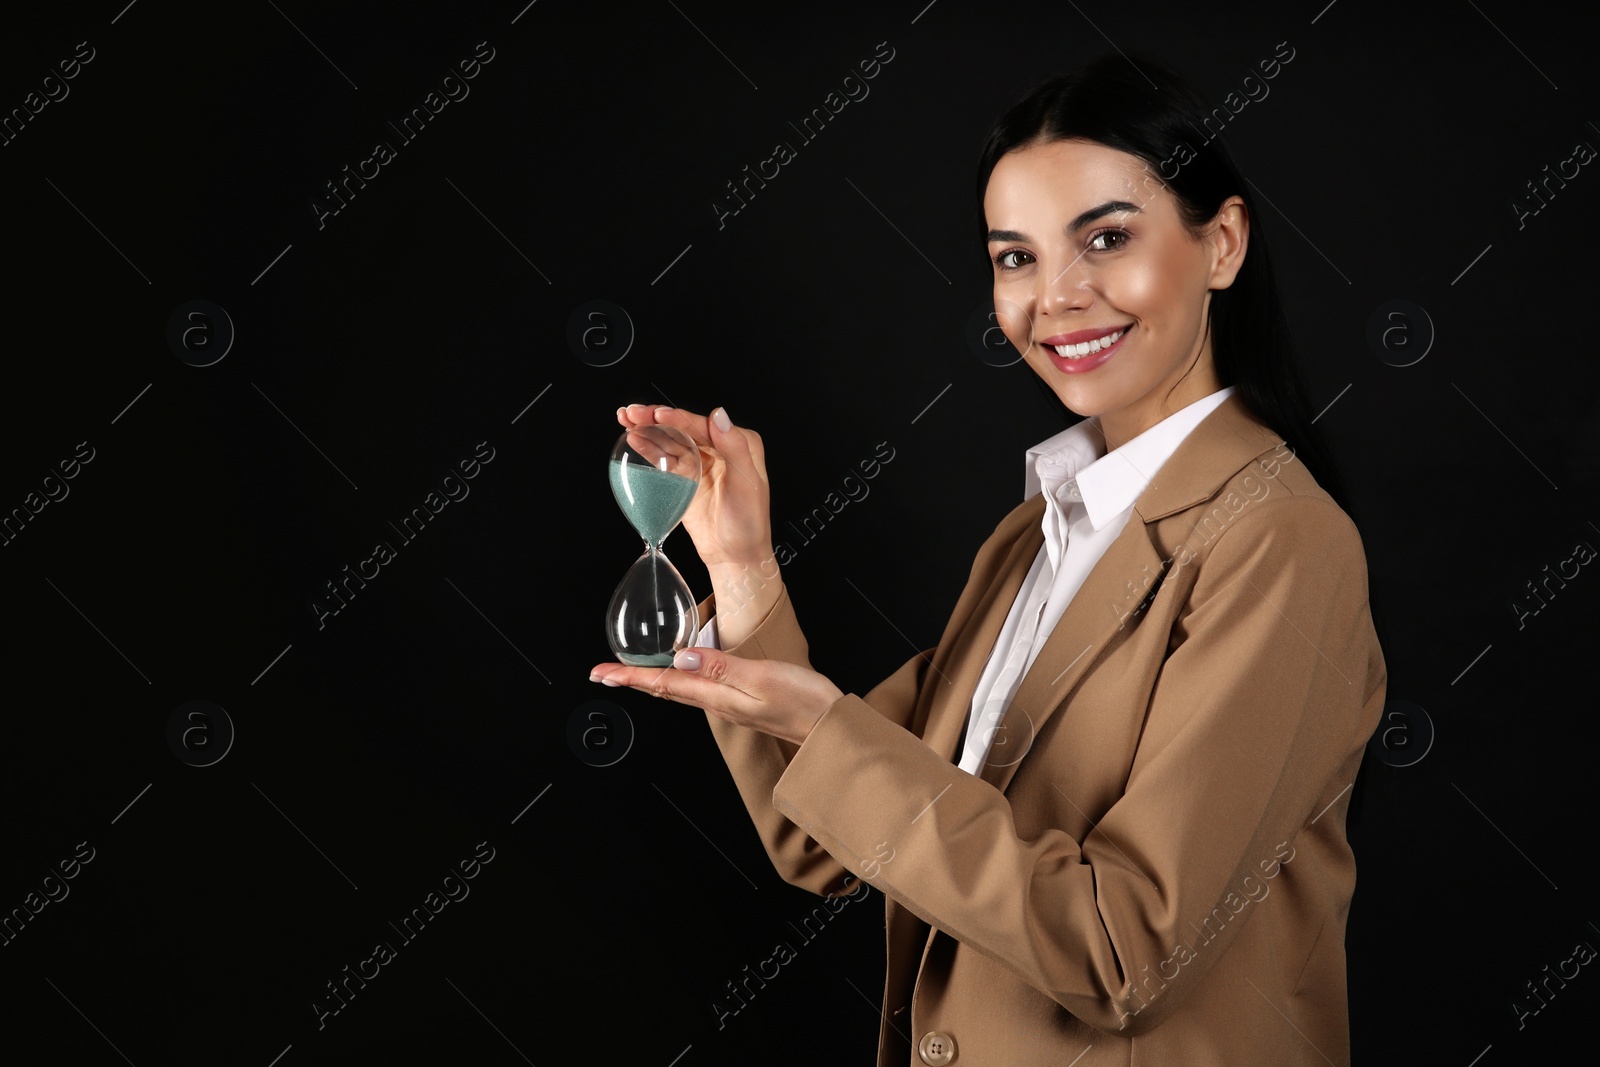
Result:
{"points": [[1229, 238]]}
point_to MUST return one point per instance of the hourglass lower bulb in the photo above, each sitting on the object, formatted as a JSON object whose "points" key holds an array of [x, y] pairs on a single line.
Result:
{"points": [[654, 473]]}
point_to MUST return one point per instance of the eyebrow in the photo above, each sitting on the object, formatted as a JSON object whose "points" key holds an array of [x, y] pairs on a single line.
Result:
{"points": [[1110, 207]]}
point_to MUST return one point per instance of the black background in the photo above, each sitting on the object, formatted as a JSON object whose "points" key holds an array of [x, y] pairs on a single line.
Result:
{"points": [[432, 713]]}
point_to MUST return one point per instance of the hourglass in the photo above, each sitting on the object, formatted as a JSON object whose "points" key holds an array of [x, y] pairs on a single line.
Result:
{"points": [[655, 471]]}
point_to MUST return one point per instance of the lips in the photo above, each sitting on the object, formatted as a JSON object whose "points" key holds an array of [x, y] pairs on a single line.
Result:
{"points": [[1085, 343], [1080, 336], [1073, 362]]}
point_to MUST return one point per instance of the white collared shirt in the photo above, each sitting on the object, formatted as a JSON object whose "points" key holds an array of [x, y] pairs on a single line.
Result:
{"points": [[1089, 498], [1089, 495]]}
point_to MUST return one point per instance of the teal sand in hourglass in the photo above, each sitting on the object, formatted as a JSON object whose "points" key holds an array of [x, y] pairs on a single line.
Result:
{"points": [[655, 471]]}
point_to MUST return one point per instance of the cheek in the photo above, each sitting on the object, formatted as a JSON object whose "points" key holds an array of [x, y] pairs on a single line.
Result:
{"points": [[1139, 287], [1013, 319], [1156, 284]]}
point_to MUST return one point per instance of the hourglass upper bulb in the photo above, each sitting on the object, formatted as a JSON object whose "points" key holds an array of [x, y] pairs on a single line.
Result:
{"points": [[655, 471]]}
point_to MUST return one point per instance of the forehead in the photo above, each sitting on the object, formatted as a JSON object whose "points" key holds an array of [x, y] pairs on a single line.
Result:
{"points": [[1068, 177]]}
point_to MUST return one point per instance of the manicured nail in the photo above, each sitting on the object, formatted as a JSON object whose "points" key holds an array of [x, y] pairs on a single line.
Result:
{"points": [[720, 417], [688, 661]]}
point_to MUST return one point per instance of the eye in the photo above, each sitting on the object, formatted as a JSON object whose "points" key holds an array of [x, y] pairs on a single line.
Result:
{"points": [[1012, 259], [1097, 240]]}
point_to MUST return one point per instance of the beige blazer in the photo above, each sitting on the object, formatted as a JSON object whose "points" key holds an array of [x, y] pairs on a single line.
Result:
{"points": [[1152, 868]]}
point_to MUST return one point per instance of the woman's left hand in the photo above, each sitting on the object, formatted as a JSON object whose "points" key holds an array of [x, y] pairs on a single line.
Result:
{"points": [[772, 696]]}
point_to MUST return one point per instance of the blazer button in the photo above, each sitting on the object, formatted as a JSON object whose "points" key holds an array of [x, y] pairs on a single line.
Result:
{"points": [[936, 1049]]}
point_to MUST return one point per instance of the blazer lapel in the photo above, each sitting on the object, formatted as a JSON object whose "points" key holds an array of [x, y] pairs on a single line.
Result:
{"points": [[1097, 620], [1106, 608]]}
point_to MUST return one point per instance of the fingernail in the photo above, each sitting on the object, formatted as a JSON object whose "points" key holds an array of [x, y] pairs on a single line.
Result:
{"points": [[720, 417], [659, 410], [688, 661]]}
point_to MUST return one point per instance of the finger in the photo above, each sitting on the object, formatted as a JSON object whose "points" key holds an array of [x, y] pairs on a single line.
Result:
{"points": [[682, 687], [616, 674], [698, 427], [600, 670], [666, 439], [742, 447], [739, 445], [664, 450], [632, 415]]}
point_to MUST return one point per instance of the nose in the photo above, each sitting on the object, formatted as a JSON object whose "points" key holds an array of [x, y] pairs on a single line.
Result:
{"points": [[1065, 287]]}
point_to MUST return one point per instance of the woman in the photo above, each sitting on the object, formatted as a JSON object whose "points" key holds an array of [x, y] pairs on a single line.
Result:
{"points": [[1107, 811]]}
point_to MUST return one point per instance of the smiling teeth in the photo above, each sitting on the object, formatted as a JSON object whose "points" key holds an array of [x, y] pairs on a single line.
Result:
{"points": [[1088, 347]]}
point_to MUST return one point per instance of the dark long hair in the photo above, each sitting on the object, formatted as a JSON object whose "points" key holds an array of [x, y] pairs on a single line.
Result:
{"points": [[1110, 102]]}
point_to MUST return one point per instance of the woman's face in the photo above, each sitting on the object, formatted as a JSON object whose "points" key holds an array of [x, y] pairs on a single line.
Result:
{"points": [[1088, 247]]}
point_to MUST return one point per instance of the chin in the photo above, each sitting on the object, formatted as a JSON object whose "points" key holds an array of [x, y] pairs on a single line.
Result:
{"points": [[1074, 400]]}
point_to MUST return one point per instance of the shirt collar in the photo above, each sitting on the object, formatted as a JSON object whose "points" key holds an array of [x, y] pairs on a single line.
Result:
{"points": [[1074, 464]]}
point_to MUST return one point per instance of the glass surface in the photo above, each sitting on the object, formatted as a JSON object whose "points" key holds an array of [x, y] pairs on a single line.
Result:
{"points": [[654, 473], [652, 613]]}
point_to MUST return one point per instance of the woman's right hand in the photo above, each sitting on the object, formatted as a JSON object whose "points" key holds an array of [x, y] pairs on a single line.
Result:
{"points": [[730, 518]]}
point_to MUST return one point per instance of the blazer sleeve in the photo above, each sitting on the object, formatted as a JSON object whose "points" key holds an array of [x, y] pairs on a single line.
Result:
{"points": [[1261, 701], [758, 760]]}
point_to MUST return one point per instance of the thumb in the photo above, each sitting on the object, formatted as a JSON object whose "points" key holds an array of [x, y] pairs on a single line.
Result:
{"points": [[736, 443], [710, 663]]}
